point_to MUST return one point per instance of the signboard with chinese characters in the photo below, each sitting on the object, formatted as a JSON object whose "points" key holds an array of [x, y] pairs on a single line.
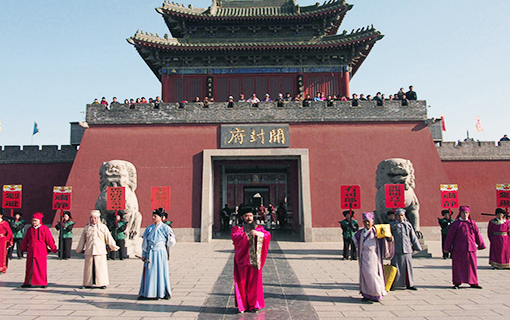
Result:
{"points": [[255, 136], [350, 197], [12, 196], [115, 198], [449, 196], [160, 198], [62, 198], [503, 195], [395, 196]]}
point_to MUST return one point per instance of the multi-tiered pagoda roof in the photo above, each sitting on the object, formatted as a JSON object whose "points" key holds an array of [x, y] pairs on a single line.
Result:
{"points": [[254, 33]]}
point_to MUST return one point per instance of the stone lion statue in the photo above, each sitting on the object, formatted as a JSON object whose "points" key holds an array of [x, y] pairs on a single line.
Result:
{"points": [[120, 173], [397, 171]]}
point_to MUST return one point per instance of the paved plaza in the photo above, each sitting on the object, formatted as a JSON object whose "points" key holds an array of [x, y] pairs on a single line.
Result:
{"points": [[301, 281]]}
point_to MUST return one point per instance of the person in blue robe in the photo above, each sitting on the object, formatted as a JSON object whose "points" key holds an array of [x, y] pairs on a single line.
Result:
{"points": [[157, 240]]}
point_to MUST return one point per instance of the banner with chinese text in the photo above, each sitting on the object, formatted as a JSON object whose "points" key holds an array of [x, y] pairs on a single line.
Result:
{"points": [[350, 197], [449, 196], [11, 196], [62, 198], [115, 198], [395, 195], [160, 198], [503, 195], [255, 136]]}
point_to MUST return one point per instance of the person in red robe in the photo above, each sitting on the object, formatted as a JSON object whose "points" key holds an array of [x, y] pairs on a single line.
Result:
{"points": [[36, 242], [498, 232], [5, 243], [463, 239], [251, 243]]}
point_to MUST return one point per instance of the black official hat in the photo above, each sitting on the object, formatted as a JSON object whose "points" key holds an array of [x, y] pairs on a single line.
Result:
{"points": [[499, 210], [345, 213], [244, 209], [160, 212], [443, 212]]}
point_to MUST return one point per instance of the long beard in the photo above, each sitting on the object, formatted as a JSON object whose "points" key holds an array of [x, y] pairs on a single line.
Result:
{"points": [[250, 226]]}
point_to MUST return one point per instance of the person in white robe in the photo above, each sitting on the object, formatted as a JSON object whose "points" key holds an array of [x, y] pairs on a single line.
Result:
{"points": [[157, 240], [93, 242], [371, 252]]}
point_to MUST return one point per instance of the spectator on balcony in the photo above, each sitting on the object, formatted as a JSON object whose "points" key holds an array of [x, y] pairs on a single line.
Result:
{"points": [[288, 96], [104, 102], [114, 100], [297, 97], [131, 104], [144, 100], [330, 101], [344, 98], [211, 99], [241, 98], [411, 94], [151, 101], [400, 94], [138, 100], [369, 98], [383, 97], [254, 99], [405, 101], [267, 98], [157, 102], [306, 100], [280, 100], [378, 99], [317, 97], [230, 101], [95, 101], [505, 138], [362, 97], [197, 99], [206, 102], [126, 101], [354, 100]]}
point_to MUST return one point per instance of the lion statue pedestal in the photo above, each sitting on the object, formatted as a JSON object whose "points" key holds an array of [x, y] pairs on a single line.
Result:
{"points": [[399, 171], [120, 173]]}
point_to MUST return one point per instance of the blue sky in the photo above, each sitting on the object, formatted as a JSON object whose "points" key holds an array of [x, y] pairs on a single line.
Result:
{"points": [[58, 55]]}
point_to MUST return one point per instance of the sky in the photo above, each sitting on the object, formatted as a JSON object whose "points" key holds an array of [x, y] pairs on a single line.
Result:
{"points": [[58, 55]]}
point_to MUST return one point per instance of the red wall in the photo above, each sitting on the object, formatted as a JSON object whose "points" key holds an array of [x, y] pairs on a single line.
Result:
{"points": [[339, 154], [477, 183], [38, 181]]}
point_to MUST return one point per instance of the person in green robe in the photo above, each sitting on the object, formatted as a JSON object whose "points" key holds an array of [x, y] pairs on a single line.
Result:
{"points": [[118, 229], [65, 228], [349, 228], [18, 231]]}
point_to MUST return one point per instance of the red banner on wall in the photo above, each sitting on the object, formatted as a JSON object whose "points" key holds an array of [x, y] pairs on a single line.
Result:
{"points": [[160, 198], [503, 195], [62, 198], [395, 196], [350, 197], [11, 196], [115, 198], [449, 196]]}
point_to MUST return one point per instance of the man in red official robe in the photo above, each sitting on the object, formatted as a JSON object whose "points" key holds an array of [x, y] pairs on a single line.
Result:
{"points": [[251, 243], [463, 239], [36, 241], [5, 242]]}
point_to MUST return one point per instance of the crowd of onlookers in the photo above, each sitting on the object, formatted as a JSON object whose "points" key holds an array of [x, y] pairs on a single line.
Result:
{"points": [[379, 99], [131, 102]]}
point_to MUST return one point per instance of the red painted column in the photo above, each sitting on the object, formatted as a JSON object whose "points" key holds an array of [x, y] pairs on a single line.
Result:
{"points": [[166, 88], [347, 86]]}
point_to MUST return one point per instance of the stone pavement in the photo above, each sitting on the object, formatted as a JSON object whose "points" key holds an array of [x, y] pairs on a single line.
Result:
{"points": [[302, 281]]}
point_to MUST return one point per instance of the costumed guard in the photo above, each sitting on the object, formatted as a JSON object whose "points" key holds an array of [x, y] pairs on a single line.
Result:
{"points": [[65, 228], [5, 242], [251, 243], [405, 240], [93, 242], [498, 231], [118, 229], [157, 240], [225, 218], [371, 252], [349, 228], [165, 220], [462, 241], [17, 226], [36, 242], [445, 223]]}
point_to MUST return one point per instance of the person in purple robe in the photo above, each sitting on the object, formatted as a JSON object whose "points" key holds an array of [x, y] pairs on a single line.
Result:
{"points": [[463, 239], [371, 252], [498, 232]]}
